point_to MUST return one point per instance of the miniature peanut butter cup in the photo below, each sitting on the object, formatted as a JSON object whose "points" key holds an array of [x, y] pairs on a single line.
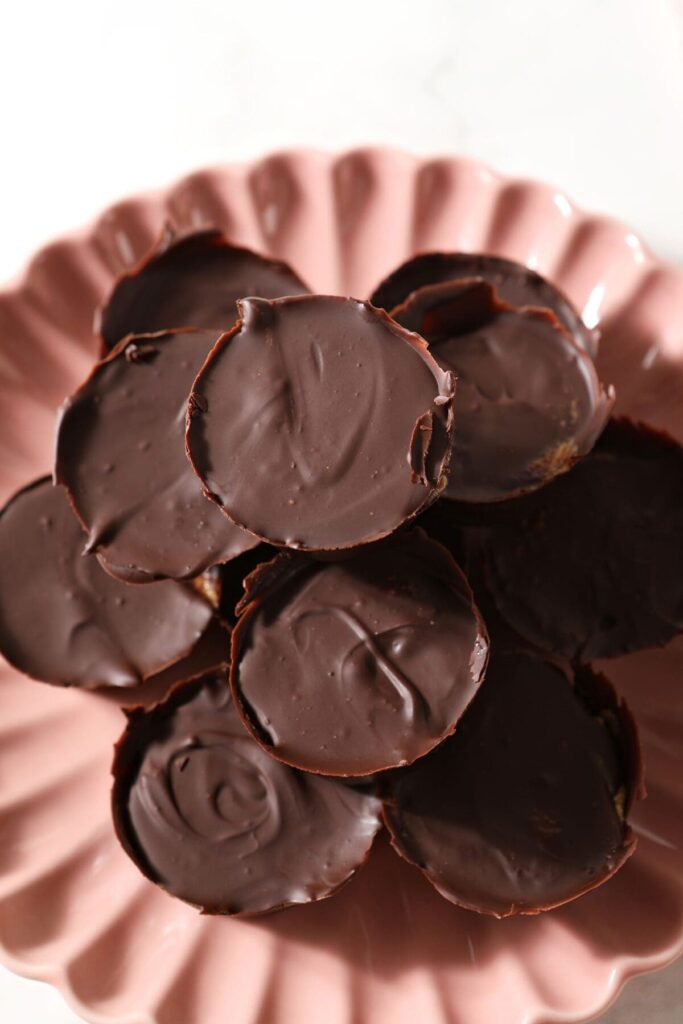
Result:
{"points": [[529, 402], [64, 620], [318, 423], [514, 283], [591, 566], [121, 456], [525, 806], [192, 280], [206, 813], [349, 668]]}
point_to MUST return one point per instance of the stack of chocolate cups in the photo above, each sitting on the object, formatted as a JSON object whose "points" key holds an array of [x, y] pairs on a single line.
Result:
{"points": [[389, 517]]}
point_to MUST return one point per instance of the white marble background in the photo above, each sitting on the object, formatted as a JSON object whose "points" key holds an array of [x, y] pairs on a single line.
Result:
{"points": [[105, 97]]}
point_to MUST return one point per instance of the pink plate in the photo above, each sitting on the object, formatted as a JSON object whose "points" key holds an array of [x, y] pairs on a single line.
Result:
{"points": [[387, 950]]}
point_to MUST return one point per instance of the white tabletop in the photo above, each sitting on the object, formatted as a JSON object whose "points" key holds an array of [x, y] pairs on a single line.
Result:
{"points": [[104, 98]]}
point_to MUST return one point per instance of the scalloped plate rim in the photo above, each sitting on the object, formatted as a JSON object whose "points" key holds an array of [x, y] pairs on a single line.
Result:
{"points": [[84, 231]]}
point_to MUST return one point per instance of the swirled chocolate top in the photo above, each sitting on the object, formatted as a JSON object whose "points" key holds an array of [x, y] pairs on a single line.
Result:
{"points": [[191, 280], [591, 566], [320, 424], [525, 806], [352, 667], [529, 402], [64, 620], [207, 814], [121, 456], [514, 283]]}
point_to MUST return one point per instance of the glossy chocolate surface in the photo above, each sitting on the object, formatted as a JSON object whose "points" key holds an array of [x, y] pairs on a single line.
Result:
{"points": [[191, 281], [64, 620], [529, 402], [207, 814], [352, 667], [209, 654], [121, 456], [524, 807], [320, 424], [592, 565], [514, 284]]}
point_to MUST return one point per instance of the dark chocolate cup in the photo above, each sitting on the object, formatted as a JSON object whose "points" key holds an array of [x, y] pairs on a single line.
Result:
{"points": [[591, 565], [120, 453], [208, 816], [526, 806], [530, 404], [65, 621], [514, 284], [319, 424], [351, 668], [189, 279]]}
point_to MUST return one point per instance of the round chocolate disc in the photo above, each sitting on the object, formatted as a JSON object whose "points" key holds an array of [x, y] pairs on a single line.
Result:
{"points": [[591, 566], [529, 402], [191, 281], [121, 456], [64, 620], [514, 283], [209, 816], [525, 807], [320, 424], [348, 668]]}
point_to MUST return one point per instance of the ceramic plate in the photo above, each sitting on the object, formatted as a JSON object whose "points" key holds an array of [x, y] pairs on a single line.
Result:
{"points": [[73, 909]]}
